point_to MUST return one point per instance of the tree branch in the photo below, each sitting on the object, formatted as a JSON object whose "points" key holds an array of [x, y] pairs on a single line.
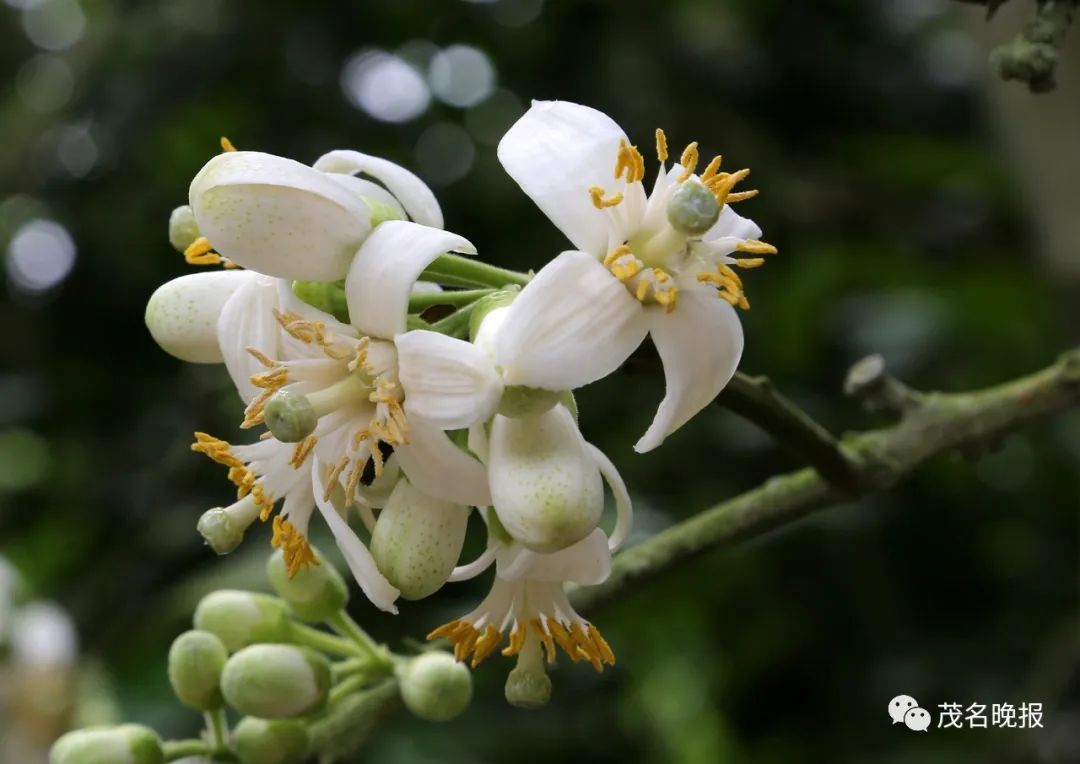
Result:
{"points": [[931, 424]]}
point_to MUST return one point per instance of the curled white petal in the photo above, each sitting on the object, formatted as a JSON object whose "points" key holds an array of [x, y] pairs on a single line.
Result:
{"points": [[732, 224], [700, 344], [247, 321], [624, 508], [362, 565], [573, 324], [182, 314], [438, 467], [277, 216], [475, 568], [447, 382], [588, 562], [413, 194], [383, 273], [556, 152]]}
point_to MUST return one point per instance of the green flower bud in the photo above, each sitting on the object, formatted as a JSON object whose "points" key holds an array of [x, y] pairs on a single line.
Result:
{"points": [[183, 229], [271, 741], [692, 209], [276, 681], [498, 299], [327, 296], [241, 618], [223, 528], [196, 660], [126, 744], [290, 417], [519, 400], [417, 540], [435, 687], [314, 594]]}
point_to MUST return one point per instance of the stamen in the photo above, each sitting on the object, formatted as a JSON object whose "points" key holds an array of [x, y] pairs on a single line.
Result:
{"points": [[239, 474], [261, 357], [226, 144], [689, 161], [749, 262], [629, 163], [310, 332], [517, 641], [332, 475], [755, 247], [302, 451], [711, 169], [201, 252], [739, 196], [722, 184], [485, 645], [294, 546], [545, 639], [598, 200], [661, 146]]}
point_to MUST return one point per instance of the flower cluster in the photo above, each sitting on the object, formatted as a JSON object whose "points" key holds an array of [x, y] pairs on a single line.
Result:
{"points": [[396, 376]]}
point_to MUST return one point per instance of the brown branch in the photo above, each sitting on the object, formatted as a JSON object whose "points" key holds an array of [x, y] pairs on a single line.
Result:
{"points": [[931, 424]]}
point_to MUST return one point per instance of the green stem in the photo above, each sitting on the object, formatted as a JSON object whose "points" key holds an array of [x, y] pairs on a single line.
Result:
{"points": [[457, 323], [217, 728], [419, 302], [343, 624], [320, 640], [465, 271], [347, 687], [182, 749], [346, 668]]}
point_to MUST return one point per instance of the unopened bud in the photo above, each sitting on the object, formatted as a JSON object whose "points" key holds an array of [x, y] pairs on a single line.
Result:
{"points": [[241, 618], [126, 744], [435, 687], [289, 416], [271, 741], [183, 229], [182, 314], [692, 208], [546, 487], [196, 660], [223, 528], [315, 593], [417, 540], [276, 681]]}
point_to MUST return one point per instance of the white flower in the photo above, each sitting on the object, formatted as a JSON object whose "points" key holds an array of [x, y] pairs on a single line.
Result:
{"points": [[332, 401], [282, 218], [651, 263]]}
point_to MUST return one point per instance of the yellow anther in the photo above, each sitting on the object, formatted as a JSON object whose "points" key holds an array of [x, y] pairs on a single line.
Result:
{"points": [[517, 641], [642, 290], [294, 546], [689, 161], [602, 647], [661, 146], [261, 357], [486, 645], [629, 163], [739, 196], [600, 202], [722, 183], [302, 451], [749, 262], [239, 475], [711, 169], [545, 639], [310, 332], [755, 247], [226, 144], [615, 254]]}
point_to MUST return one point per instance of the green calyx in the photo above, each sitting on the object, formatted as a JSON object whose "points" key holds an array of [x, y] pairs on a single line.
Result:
{"points": [[500, 298], [327, 296], [692, 208], [380, 211]]}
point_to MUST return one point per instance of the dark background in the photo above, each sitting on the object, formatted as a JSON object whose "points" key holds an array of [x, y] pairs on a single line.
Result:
{"points": [[922, 210]]}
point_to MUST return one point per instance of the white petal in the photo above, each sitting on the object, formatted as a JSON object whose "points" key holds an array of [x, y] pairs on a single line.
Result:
{"points": [[700, 343], [571, 325], [247, 320], [438, 467], [624, 508], [588, 562], [366, 190], [377, 589], [385, 269], [182, 314], [413, 193], [474, 568], [448, 382], [556, 152], [277, 216], [731, 224]]}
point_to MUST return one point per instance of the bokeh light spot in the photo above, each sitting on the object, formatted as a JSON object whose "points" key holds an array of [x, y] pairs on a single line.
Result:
{"points": [[40, 255], [44, 83], [54, 24], [385, 86], [445, 153], [461, 75]]}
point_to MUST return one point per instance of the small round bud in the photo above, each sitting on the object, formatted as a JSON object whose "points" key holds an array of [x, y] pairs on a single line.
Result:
{"points": [[276, 681], [435, 687], [126, 744], [527, 687], [182, 314], [271, 741], [196, 660], [241, 618], [692, 208], [519, 400], [290, 417], [314, 594], [223, 528], [417, 540], [183, 229]]}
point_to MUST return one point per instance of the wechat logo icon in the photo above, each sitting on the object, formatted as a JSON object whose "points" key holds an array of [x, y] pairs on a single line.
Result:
{"points": [[904, 709]]}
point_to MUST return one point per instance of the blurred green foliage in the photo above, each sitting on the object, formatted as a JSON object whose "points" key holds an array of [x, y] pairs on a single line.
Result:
{"points": [[899, 230]]}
